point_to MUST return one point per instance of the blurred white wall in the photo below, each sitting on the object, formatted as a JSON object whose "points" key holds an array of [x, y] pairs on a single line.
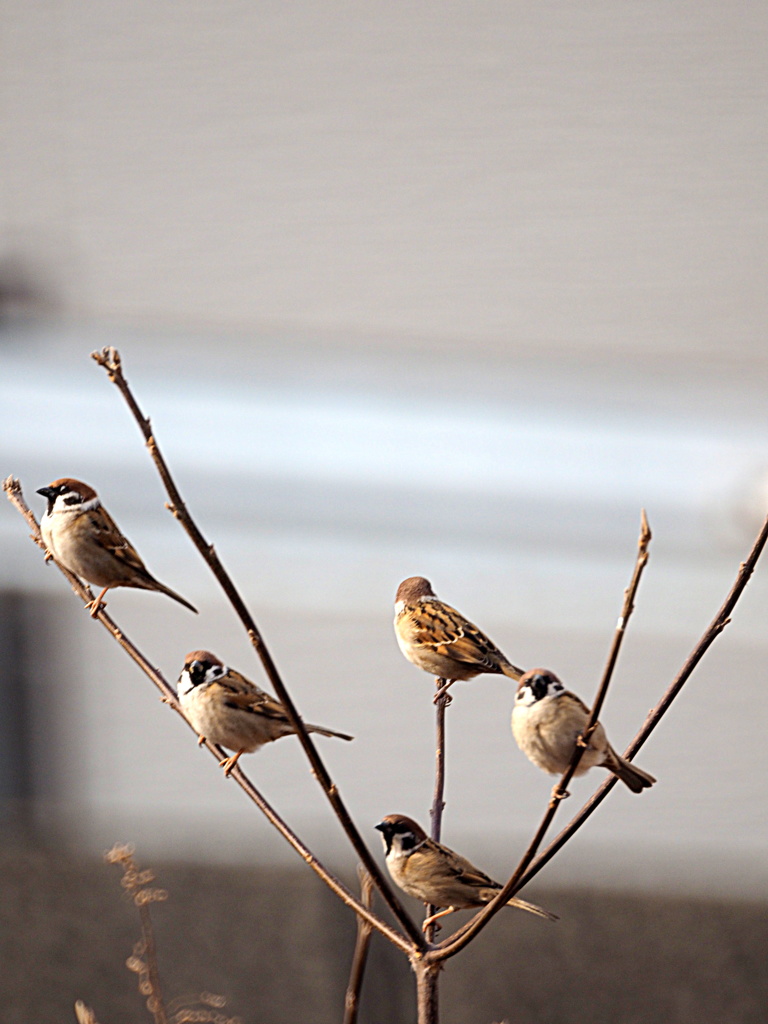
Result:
{"points": [[590, 177], [404, 291]]}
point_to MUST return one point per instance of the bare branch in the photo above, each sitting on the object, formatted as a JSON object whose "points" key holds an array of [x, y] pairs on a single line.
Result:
{"points": [[438, 803], [442, 700], [456, 942], [715, 628], [360, 956], [109, 359], [618, 636], [12, 487]]}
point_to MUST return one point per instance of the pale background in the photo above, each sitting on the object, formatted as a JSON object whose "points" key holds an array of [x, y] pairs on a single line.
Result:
{"points": [[406, 289]]}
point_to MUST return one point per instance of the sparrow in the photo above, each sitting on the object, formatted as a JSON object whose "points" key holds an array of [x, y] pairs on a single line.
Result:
{"points": [[547, 719], [82, 536], [439, 640], [227, 709], [430, 872]]}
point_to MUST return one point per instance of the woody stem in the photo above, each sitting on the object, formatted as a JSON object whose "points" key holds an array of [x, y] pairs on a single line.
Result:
{"points": [[438, 803]]}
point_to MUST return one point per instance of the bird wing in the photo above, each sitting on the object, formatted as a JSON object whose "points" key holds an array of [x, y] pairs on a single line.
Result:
{"points": [[108, 534], [466, 872], [576, 700], [571, 714], [239, 692], [437, 626]]}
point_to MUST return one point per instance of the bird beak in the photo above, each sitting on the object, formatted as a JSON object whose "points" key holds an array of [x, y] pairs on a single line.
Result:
{"points": [[382, 826], [47, 492]]}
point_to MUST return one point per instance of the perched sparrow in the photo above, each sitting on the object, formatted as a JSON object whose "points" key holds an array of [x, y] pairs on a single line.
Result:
{"points": [[438, 639], [230, 710], [429, 871], [81, 535], [546, 721]]}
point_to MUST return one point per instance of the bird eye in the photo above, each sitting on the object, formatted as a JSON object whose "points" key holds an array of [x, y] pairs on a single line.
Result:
{"points": [[196, 672]]}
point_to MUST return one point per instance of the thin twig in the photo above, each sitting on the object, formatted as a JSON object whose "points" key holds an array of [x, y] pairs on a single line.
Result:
{"points": [[438, 803], [12, 487], [456, 942], [618, 636], [109, 359], [715, 628], [360, 956]]}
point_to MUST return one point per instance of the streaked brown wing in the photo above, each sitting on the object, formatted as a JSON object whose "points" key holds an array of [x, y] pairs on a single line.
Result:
{"points": [[449, 633], [475, 648], [466, 872], [239, 692], [579, 701], [108, 534]]}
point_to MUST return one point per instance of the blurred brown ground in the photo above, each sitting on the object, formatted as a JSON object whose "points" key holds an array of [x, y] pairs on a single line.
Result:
{"points": [[278, 946]]}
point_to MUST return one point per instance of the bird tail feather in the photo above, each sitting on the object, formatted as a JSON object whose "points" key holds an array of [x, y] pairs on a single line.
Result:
{"points": [[513, 671], [172, 593], [531, 908], [329, 732], [629, 773]]}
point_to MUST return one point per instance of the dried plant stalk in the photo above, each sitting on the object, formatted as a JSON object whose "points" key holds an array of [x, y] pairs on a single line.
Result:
{"points": [[144, 959], [84, 1014]]}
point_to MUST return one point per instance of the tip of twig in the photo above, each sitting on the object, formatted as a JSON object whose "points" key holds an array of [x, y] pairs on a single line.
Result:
{"points": [[645, 530], [11, 485], [109, 358]]}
